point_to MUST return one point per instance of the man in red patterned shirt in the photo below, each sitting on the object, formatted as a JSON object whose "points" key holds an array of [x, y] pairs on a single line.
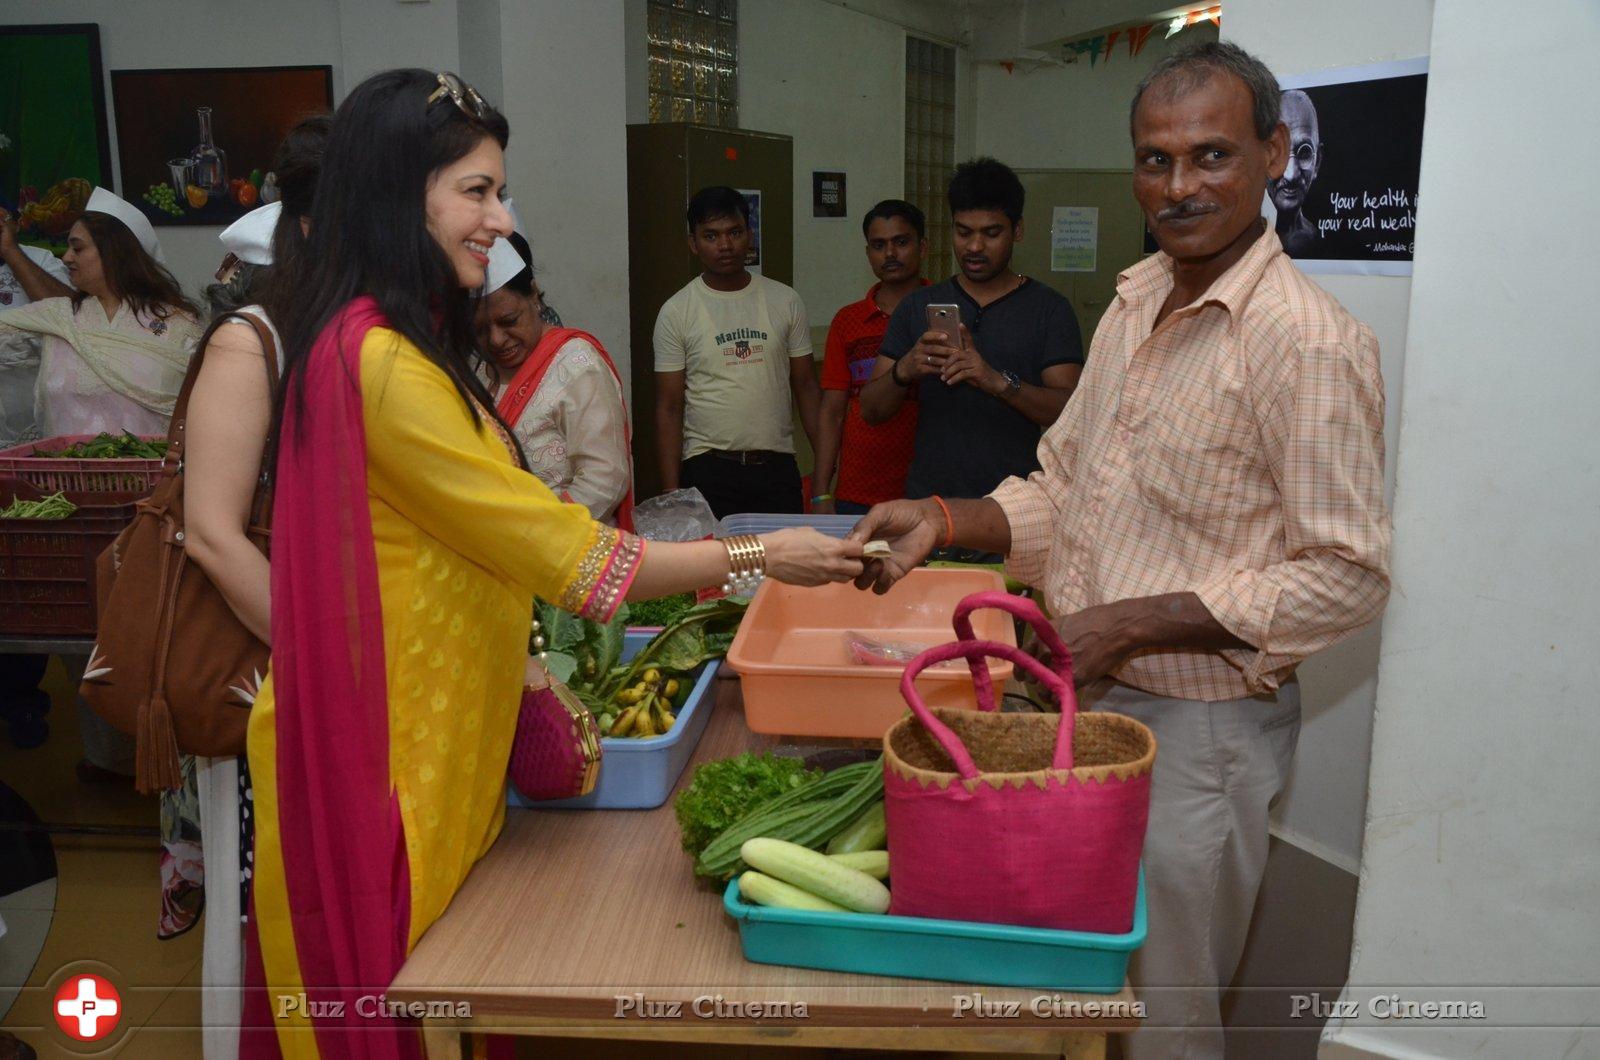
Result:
{"points": [[871, 459]]}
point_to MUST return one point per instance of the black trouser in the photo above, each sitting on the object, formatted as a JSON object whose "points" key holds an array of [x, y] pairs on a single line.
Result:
{"points": [[732, 488]]}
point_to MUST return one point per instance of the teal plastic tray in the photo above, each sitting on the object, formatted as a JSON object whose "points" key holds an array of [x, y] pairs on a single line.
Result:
{"points": [[954, 950]]}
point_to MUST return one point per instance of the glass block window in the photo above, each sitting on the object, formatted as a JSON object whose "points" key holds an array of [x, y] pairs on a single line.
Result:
{"points": [[694, 61], [931, 144]]}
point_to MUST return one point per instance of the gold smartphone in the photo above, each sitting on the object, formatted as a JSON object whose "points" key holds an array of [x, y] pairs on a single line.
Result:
{"points": [[946, 319]]}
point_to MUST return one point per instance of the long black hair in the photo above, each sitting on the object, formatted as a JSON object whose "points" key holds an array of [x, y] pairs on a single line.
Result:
{"points": [[369, 233], [296, 164]]}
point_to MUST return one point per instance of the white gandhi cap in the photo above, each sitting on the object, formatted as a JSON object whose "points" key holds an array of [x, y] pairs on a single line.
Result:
{"points": [[504, 261], [103, 201], [250, 237]]}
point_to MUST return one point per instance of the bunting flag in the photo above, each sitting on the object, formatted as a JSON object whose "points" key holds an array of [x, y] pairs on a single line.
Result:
{"points": [[1009, 67], [1099, 47], [1137, 38]]}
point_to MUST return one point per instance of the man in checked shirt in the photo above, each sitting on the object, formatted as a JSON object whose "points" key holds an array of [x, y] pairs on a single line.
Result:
{"points": [[1209, 512]]}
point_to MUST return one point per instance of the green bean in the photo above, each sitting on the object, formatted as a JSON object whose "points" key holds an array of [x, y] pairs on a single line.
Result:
{"points": [[55, 506]]}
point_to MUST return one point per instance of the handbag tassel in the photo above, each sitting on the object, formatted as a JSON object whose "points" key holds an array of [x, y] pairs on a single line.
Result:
{"points": [[156, 757]]}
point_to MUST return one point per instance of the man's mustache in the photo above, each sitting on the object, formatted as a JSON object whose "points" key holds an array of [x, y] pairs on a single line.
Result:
{"points": [[1186, 209]]}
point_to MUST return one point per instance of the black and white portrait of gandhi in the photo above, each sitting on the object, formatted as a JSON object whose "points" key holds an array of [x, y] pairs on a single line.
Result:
{"points": [[1290, 192]]}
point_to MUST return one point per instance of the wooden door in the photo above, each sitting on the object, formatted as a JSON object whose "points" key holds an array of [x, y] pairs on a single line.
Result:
{"points": [[1120, 235]]}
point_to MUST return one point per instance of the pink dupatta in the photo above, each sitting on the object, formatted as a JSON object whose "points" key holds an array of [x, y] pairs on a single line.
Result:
{"points": [[339, 819]]}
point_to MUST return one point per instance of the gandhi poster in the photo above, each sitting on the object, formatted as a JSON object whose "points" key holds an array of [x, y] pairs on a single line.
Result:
{"points": [[1347, 202]]}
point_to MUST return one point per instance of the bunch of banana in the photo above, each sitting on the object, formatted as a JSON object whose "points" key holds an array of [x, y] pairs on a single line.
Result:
{"points": [[645, 709]]}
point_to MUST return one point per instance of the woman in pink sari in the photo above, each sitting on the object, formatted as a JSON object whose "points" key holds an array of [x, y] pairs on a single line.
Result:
{"points": [[409, 542], [557, 389]]}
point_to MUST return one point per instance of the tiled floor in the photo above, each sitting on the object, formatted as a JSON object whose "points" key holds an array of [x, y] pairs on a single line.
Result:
{"points": [[103, 907]]}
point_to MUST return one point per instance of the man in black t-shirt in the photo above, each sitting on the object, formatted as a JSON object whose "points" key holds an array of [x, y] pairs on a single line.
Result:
{"points": [[984, 405]]}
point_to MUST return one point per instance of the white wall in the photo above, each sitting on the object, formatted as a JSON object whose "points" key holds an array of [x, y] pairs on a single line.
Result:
{"points": [[833, 78], [1068, 117], [565, 97], [1482, 858], [1323, 809]]}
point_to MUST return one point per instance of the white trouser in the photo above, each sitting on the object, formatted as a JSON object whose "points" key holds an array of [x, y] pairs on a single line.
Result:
{"points": [[1219, 766], [222, 954]]}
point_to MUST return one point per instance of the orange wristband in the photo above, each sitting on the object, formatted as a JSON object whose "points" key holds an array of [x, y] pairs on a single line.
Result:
{"points": [[949, 522]]}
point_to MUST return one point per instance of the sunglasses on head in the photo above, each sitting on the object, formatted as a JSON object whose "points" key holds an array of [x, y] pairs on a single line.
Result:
{"points": [[463, 95]]}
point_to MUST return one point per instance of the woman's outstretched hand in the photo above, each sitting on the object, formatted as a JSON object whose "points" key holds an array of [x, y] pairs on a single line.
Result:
{"points": [[802, 556]]}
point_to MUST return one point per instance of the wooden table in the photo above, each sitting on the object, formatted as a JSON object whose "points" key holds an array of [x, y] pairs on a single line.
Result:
{"points": [[590, 924]]}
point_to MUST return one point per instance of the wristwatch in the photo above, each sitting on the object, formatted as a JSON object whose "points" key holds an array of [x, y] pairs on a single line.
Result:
{"points": [[1013, 381]]}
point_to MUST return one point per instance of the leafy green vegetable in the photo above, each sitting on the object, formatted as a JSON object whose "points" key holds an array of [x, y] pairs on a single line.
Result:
{"points": [[722, 792], [660, 612], [704, 632], [587, 657], [579, 652]]}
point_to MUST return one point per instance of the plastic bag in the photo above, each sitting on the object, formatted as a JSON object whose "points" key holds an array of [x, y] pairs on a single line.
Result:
{"points": [[682, 515], [868, 650]]}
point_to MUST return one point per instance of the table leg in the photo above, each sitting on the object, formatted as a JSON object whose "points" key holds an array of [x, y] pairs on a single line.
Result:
{"points": [[1085, 1046], [441, 1041]]}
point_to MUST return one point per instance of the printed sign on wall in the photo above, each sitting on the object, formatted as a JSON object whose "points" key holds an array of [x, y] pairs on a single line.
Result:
{"points": [[752, 257], [827, 193], [1074, 238], [1348, 200]]}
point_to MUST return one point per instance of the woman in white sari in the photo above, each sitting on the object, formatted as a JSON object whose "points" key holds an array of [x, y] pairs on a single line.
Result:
{"points": [[113, 355]]}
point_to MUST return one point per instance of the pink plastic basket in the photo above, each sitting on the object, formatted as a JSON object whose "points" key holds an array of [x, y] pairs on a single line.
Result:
{"points": [[73, 475], [1029, 819]]}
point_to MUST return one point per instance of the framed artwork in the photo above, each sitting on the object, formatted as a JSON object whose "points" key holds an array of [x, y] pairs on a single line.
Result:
{"points": [[54, 143], [194, 145]]}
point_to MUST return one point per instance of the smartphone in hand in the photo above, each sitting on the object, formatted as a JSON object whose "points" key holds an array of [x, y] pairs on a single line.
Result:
{"points": [[946, 319]]}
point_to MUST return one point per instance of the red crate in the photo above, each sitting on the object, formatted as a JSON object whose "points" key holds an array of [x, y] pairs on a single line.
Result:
{"points": [[67, 474], [47, 582]]}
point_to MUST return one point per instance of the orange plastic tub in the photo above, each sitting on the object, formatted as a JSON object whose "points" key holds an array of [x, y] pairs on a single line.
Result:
{"points": [[798, 675]]}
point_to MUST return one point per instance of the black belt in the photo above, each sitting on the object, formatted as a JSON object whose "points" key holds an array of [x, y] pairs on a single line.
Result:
{"points": [[748, 456]]}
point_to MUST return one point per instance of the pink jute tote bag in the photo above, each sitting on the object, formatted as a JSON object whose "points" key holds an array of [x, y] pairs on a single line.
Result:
{"points": [[1029, 819]]}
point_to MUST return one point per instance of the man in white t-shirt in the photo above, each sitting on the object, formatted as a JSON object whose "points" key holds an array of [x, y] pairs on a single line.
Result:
{"points": [[732, 354]]}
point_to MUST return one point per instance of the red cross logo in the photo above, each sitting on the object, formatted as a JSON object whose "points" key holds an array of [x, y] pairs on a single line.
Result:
{"points": [[87, 1008]]}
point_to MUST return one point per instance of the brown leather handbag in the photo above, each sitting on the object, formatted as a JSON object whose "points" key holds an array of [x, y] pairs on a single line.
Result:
{"points": [[172, 664]]}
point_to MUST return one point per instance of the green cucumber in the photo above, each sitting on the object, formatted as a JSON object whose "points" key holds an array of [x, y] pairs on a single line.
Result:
{"points": [[867, 832], [817, 874], [874, 863], [764, 890]]}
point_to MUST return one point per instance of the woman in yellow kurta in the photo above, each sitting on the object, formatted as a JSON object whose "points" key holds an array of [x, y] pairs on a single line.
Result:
{"points": [[409, 542]]}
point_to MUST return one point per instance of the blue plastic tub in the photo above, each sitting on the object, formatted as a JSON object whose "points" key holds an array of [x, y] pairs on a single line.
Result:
{"points": [[640, 774], [954, 950], [758, 523]]}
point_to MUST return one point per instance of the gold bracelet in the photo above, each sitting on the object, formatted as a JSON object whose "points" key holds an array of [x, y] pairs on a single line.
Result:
{"points": [[747, 556]]}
